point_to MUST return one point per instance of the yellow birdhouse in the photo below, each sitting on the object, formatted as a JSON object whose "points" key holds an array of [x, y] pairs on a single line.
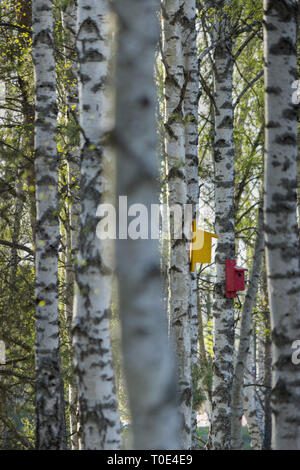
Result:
{"points": [[201, 247]]}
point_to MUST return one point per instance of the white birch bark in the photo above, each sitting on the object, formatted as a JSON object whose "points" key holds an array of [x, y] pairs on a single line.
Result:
{"points": [[281, 228], [98, 407], [203, 362], [69, 17], [260, 373], [223, 329], [149, 369], [50, 419], [244, 342], [175, 139], [189, 38], [24, 18], [267, 378], [190, 57], [250, 403], [71, 256]]}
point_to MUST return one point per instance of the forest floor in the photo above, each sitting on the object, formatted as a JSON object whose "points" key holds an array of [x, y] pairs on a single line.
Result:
{"points": [[203, 435]]}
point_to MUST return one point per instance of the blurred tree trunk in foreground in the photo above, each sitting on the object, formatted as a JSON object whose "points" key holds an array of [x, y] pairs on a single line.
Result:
{"points": [[148, 365], [281, 226]]}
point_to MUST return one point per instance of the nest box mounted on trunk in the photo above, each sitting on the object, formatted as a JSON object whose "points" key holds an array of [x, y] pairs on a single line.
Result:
{"points": [[201, 247], [235, 278]]}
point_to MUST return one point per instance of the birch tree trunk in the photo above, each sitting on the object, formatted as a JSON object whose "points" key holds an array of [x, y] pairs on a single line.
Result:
{"points": [[224, 226], [250, 403], [148, 366], [203, 362], [281, 229], [13, 263], [259, 363], [245, 334], [69, 16], [190, 56], [267, 378], [50, 418], [25, 19], [175, 140], [98, 407]]}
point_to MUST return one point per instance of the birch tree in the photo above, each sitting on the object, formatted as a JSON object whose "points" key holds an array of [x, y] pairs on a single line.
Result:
{"points": [[148, 366], [268, 374], [191, 96], [250, 401], [98, 407], [224, 226], [259, 364], [50, 419], [69, 17], [244, 343], [175, 140], [281, 229], [24, 17]]}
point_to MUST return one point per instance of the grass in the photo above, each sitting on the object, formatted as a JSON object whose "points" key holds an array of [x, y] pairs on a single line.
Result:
{"points": [[203, 435]]}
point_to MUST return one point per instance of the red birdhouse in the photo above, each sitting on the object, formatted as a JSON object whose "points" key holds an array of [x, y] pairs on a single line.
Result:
{"points": [[235, 278]]}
